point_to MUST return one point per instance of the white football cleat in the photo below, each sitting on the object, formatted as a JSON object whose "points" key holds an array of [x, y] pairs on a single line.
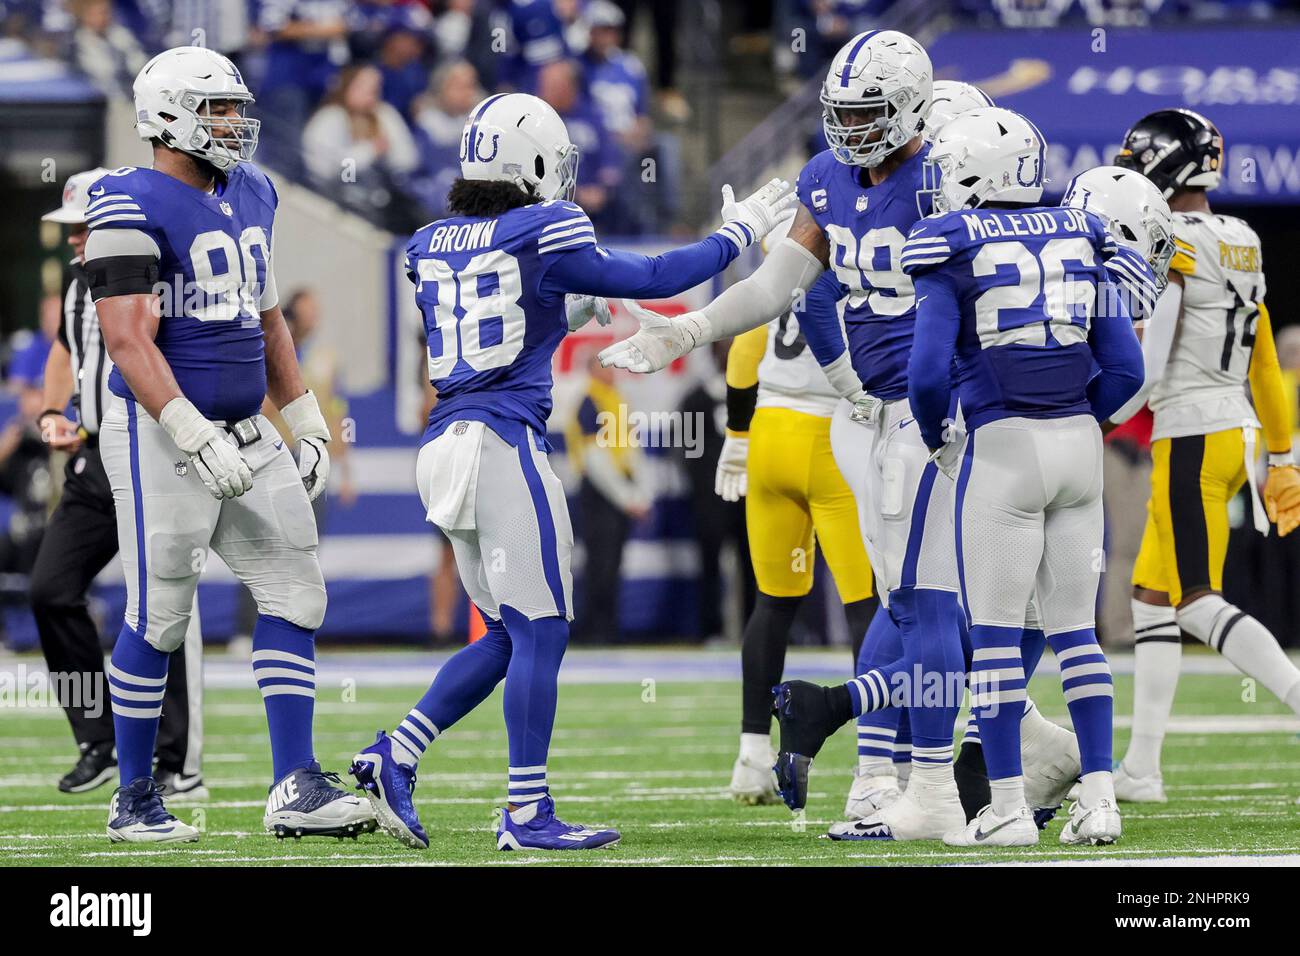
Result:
{"points": [[1049, 755], [1096, 826], [925, 811], [870, 794], [753, 784], [136, 815], [1131, 789], [989, 829]]}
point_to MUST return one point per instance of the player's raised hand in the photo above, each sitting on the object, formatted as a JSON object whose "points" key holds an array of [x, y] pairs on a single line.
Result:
{"points": [[581, 309], [731, 481], [310, 432], [1282, 498], [215, 458], [760, 210], [661, 340]]}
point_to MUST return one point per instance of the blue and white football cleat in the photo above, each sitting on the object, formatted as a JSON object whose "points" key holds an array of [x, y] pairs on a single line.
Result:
{"points": [[306, 802], [389, 786], [136, 815], [989, 829], [534, 826], [806, 718]]}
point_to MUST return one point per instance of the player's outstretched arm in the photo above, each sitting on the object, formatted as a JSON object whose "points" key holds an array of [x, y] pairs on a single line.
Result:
{"points": [[298, 407], [766, 294], [1156, 343], [1116, 350], [929, 367]]}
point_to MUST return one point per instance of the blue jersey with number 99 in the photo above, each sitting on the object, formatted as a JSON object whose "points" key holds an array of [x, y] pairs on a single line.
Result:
{"points": [[867, 227]]}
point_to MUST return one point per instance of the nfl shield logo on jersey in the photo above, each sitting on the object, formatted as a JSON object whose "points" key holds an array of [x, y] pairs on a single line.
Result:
{"points": [[861, 205], [225, 207], [182, 469]]}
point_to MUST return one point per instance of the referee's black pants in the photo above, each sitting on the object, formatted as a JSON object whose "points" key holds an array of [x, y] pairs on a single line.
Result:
{"points": [[80, 539]]}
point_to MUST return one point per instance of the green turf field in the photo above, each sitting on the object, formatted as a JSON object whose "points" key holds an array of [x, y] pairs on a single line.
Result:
{"points": [[656, 769]]}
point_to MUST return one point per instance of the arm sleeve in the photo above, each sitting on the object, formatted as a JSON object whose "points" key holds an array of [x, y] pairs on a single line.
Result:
{"points": [[1157, 341], [589, 269], [929, 368], [767, 293], [742, 377], [1116, 351], [1267, 389]]}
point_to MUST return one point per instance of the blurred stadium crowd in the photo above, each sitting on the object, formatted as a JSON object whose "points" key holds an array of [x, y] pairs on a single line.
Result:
{"points": [[368, 99]]}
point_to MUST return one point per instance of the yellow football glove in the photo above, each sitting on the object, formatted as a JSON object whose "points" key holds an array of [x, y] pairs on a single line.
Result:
{"points": [[1282, 498]]}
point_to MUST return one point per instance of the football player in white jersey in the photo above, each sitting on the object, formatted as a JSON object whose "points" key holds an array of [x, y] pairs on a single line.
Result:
{"points": [[1210, 337], [777, 456]]}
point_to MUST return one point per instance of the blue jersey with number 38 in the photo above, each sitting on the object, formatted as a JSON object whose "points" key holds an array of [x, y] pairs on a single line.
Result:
{"points": [[491, 291], [212, 252]]}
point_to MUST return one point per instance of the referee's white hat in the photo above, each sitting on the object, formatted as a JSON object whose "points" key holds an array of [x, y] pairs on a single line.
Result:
{"points": [[75, 198]]}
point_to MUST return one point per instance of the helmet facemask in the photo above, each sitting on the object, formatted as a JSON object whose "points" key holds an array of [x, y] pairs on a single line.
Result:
{"points": [[567, 172], [862, 132], [223, 140]]}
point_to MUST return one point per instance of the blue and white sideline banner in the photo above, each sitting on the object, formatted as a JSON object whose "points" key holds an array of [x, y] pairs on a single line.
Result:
{"points": [[1085, 87]]}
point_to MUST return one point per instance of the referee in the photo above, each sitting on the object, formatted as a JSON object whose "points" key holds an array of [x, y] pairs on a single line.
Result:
{"points": [[81, 538]]}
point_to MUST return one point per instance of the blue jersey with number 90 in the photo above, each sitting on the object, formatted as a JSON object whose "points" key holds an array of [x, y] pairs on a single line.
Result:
{"points": [[212, 251]]}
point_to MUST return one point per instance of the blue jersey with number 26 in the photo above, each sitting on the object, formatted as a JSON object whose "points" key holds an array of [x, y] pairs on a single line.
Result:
{"points": [[1012, 305]]}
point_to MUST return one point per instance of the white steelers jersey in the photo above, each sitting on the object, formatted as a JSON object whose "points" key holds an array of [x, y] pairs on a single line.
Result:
{"points": [[789, 376], [1203, 389]]}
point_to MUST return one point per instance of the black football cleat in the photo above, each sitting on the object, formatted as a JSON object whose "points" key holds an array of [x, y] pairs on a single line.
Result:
{"points": [[96, 766], [807, 717]]}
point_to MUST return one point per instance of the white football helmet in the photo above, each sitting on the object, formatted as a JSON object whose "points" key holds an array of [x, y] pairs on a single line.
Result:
{"points": [[985, 155], [876, 96], [1133, 210], [518, 138], [949, 99], [171, 95]]}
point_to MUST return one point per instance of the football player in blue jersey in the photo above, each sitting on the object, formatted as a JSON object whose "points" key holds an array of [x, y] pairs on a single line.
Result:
{"points": [[858, 200], [179, 263], [1140, 222], [1015, 319], [500, 283]]}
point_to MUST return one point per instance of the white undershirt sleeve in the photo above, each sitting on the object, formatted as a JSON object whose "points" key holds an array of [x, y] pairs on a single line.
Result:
{"points": [[1157, 342]]}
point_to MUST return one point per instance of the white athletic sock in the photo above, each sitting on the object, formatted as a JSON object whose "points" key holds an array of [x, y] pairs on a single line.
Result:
{"points": [[1008, 795], [1157, 654], [756, 748], [403, 754], [1095, 786], [1244, 641]]}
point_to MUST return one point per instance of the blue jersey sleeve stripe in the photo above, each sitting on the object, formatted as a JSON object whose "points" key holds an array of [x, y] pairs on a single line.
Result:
{"points": [[118, 217], [565, 223], [567, 244], [581, 230], [110, 199]]}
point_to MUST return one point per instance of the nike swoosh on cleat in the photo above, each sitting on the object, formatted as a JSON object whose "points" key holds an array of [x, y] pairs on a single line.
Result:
{"points": [[982, 835]]}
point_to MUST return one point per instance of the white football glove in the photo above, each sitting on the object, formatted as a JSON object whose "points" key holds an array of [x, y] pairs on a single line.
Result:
{"points": [[310, 433], [215, 457], [758, 212], [948, 455], [662, 340], [731, 482], [581, 309]]}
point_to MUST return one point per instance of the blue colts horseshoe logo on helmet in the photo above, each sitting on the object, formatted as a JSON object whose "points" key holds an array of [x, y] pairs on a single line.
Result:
{"points": [[471, 147], [1036, 177]]}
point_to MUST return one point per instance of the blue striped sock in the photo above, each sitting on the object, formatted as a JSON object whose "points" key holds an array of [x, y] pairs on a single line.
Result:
{"points": [[537, 648], [877, 728], [1089, 695], [284, 666], [997, 686], [137, 680]]}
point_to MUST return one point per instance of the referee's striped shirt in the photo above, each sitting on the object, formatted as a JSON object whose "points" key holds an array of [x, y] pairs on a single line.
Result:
{"points": [[80, 335]]}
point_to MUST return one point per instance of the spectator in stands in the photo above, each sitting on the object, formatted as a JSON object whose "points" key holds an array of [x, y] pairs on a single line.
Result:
{"points": [[359, 150], [613, 496], [664, 22], [601, 164], [103, 49], [536, 39], [308, 46], [396, 37], [440, 117], [615, 78]]}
